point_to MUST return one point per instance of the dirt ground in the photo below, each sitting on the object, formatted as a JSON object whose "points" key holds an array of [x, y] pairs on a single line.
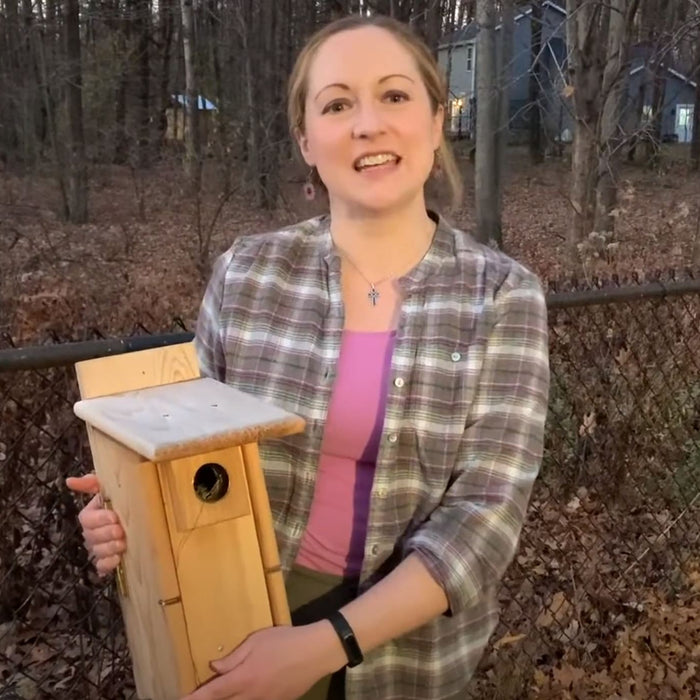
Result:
{"points": [[136, 261]]}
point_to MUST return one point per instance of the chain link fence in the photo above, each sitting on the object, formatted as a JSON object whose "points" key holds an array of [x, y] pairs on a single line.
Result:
{"points": [[604, 593]]}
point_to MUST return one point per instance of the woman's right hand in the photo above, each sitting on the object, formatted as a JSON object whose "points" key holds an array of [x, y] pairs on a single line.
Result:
{"points": [[104, 536]]}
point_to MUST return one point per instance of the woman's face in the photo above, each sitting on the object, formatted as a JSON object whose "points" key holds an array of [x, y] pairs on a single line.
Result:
{"points": [[370, 129]]}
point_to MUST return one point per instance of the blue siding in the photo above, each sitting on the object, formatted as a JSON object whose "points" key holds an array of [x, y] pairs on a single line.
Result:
{"points": [[556, 109], [678, 92]]}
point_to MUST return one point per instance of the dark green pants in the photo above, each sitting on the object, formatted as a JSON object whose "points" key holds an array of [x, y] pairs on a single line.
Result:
{"points": [[312, 596]]}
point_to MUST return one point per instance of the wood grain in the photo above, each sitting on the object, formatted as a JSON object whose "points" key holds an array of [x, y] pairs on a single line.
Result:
{"points": [[267, 541], [189, 417], [137, 370], [219, 567], [157, 635]]}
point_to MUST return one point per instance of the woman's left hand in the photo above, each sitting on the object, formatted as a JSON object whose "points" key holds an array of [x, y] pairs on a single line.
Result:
{"points": [[276, 663]]}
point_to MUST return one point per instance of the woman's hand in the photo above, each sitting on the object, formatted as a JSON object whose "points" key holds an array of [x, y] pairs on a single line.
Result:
{"points": [[276, 663], [104, 537]]}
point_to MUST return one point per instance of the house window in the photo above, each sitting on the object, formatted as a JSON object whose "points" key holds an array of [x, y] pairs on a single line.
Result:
{"points": [[684, 123], [470, 57]]}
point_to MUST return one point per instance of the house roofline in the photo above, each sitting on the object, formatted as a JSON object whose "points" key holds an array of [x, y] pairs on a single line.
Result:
{"points": [[517, 18], [672, 71]]}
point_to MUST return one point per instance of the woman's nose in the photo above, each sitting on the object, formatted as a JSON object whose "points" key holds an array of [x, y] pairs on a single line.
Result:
{"points": [[368, 122]]}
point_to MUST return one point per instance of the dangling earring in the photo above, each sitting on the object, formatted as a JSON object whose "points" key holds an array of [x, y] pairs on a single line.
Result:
{"points": [[437, 167], [309, 187]]}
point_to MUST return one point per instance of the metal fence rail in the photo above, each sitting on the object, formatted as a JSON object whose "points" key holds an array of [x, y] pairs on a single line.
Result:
{"points": [[612, 535]]}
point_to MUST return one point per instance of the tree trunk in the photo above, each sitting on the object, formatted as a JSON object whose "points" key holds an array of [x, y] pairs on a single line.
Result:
{"points": [[653, 142], [49, 108], [143, 14], [695, 143], [535, 141], [121, 141], [505, 59], [222, 106], [166, 8], [193, 161], [582, 166], [9, 95], [587, 23], [488, 224], [77, 166], [638, 114], [614, 85]]}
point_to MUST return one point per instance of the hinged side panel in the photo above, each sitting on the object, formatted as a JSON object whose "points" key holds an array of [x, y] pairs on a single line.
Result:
{"points": [[217, 559], [156, 633], [153, 616]]}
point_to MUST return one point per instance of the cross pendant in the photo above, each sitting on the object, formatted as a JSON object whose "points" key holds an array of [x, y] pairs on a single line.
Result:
{"points": [[373, 295]]}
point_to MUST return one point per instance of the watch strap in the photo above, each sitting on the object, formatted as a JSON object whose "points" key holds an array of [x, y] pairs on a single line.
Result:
{"points": [[347, 638]]}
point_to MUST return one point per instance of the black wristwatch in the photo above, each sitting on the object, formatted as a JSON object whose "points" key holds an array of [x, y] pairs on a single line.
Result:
{"points": [[347, 638]]}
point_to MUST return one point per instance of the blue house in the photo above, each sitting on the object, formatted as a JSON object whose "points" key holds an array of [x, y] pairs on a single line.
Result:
{"points": [[677, 92], [457, 55]]}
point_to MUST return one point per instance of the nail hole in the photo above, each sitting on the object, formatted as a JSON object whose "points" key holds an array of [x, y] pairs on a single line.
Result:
{"points": [[210, 482]]}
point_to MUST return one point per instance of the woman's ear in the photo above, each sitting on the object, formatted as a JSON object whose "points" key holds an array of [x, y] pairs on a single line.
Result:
{"points": [[438, 123], [303, 143]]}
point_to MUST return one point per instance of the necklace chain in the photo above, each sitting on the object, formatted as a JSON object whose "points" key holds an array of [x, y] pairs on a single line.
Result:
{"points": [[373, 295]]}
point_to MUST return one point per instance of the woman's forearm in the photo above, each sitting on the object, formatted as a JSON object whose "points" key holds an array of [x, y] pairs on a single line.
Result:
{"points": [[404, 600]]}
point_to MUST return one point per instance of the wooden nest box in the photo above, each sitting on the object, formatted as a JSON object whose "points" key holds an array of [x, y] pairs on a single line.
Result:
{"points": [[177, 458]]}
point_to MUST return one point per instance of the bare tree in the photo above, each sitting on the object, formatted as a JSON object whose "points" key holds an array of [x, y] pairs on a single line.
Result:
{"points": [[614, 87], [77, 166], [488, 225], [587, 23], [535, 141], [193, 156]]}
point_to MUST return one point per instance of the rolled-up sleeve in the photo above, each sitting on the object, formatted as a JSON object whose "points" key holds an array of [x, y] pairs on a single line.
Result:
{"points": [[208, 341], [471, 537]]}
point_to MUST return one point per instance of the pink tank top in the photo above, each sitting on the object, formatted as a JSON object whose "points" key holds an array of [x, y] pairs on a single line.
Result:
{"points": [[334, 539]]}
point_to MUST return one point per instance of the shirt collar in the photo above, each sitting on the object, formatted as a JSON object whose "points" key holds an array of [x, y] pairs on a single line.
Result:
{"points": [[442, 248]]}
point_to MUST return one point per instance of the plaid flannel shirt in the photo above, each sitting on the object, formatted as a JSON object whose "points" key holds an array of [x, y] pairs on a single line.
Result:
{"points": [[463, 431]]}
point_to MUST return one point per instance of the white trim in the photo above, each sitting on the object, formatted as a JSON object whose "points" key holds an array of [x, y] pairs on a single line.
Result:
{"points": [[457, 44], [517, 18], [545, 4], [673, 72], [685, 78]]}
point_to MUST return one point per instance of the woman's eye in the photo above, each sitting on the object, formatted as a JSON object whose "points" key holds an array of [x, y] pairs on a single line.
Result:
{"points": [[396, 97], [335, 107]]}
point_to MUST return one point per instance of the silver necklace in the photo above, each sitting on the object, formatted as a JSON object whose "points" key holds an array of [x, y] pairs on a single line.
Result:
{"points": [[373, 294]]}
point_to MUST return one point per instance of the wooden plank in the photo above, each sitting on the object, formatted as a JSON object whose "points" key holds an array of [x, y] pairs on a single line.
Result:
{"points": [[221, 577], [267, 540], [157, 635], [137, 370], [186, 418]]}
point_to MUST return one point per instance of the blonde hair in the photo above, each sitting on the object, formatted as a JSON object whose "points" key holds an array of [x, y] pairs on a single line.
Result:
{"points": [[427, 67]]}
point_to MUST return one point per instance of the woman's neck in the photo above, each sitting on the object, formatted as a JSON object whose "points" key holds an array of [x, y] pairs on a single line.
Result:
{"points": [[383, 244]]}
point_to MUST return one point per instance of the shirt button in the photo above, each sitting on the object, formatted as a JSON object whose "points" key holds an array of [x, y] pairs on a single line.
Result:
{"points": [[381, 492], [374, 550], [392, 438], [399, 382], [456, 356]]}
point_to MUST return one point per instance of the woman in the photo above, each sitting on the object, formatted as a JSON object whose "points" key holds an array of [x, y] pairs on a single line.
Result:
{"points": [[418, 359]]}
